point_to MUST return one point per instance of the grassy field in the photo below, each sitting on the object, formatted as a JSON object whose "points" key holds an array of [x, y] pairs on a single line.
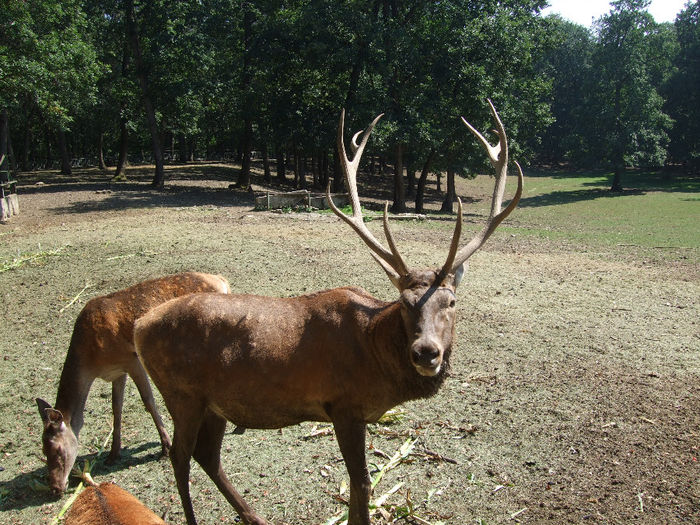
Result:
{"points": [[575, 386]]}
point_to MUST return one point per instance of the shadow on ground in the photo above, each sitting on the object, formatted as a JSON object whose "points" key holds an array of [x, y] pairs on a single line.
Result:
{"points": [[24, 489], [199, 184]]}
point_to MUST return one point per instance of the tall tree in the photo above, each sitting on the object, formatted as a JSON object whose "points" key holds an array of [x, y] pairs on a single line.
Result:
{"points": [[626, 106], [568, 64], [245, 93], [142, 74], [684, 90], [48, 64]]}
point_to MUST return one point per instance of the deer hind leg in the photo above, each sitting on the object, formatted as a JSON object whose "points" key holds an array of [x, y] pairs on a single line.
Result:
{"points": [[138, 374], [207, 453], [351, 440], [117, 404], [187, 421]]}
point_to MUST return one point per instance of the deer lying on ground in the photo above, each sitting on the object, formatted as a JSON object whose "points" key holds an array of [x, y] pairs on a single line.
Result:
{"points": [[338, 355], [102, 346], [109, 504]]}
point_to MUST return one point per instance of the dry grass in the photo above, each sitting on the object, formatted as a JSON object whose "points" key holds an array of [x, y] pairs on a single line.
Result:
{"points": [[574, 394]]}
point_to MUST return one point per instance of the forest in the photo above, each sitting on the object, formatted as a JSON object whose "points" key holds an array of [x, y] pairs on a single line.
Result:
{"points": [[107, 83]]}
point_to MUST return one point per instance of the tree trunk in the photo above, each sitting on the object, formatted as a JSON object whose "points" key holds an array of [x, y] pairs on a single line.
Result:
{"points": [[281, 175], [338, 179], [355, 77], [246, 146], [324, 170], [47, 140], [451, 194], [618, 147], [315, 161], [100, 151], [267, 175], [617, 178], [10, 151], [159, 176], [301, 163], [182, 149], [295, 166], [420, 189], [122, 161], [27, 146], [410, 180], [63, 148], [399, 205], [4, 139], [246, 77]]}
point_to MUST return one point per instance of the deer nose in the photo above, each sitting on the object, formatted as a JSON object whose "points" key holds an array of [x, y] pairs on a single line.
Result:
{"points": [[425, 355]]}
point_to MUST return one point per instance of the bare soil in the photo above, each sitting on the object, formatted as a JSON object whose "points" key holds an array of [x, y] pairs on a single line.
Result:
{"points": [[575, 387]]}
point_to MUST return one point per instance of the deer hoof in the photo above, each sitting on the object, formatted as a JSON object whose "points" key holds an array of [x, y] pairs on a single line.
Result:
{"points": [[113, 458]]}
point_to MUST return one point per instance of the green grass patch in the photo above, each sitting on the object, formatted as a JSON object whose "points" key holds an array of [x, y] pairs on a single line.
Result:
{"points": [[653, 211]]}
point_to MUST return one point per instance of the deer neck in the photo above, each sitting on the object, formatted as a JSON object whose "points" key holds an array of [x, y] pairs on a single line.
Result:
{"points": [[73, 389]]}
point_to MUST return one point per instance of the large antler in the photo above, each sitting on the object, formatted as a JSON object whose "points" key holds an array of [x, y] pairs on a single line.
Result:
{"points": [[498, 155], [391, 261]]}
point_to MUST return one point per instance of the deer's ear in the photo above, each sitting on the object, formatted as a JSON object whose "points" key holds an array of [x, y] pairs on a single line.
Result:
{"points": [[43, 405], [461, 270], [393, 276], [51, 417], [55, 420]]}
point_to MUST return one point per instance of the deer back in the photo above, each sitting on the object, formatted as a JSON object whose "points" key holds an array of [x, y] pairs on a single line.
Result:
{"points": [[109, 504]]}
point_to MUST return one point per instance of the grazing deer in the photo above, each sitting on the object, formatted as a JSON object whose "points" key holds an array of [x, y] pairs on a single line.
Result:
{"points": [[102, 346], [338, 355], [109, 504]]}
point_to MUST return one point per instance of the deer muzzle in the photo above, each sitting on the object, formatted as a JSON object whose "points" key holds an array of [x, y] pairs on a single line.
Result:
{"points": [[57, 487], [426, 356]]}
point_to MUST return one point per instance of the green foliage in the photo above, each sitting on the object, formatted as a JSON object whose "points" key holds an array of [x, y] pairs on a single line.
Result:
{"points": [[218, 69], [626, 105], [568, 64], [46, 59], [683, 91]]}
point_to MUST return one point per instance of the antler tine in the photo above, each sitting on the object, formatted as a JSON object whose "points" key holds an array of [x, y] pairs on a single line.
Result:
{"points": [[498, 155], [391, 261], [353, 143], [403, 270], [455, 241]]}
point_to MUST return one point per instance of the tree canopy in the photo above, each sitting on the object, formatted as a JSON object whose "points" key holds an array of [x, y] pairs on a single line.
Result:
{"points": [[220, 79]]}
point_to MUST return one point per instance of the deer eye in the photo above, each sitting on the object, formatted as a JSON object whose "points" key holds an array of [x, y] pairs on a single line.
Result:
{"points": [[452, 303]]}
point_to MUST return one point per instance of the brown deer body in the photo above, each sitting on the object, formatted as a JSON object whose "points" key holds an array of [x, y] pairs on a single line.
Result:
{"points": [[109, 504], [102, 346], [338, 355]]}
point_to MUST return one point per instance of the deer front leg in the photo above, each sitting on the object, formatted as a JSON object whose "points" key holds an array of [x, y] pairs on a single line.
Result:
{"points": [[117, 404], [351, 440]]}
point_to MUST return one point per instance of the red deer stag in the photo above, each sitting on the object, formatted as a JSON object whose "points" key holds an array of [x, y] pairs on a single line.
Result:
{"points": [[102, 346], [338, 355], [109, 504]]}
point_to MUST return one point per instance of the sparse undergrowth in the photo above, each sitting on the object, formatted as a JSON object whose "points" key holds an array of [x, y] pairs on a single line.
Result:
{"points": [[574, 389]]}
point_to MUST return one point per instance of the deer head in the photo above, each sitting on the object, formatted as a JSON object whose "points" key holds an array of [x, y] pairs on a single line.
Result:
{"points": [[427, 297], [59, 445]]}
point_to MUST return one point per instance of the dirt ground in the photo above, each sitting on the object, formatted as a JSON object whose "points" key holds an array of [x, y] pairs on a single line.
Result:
{"points": [[574, 394]]}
